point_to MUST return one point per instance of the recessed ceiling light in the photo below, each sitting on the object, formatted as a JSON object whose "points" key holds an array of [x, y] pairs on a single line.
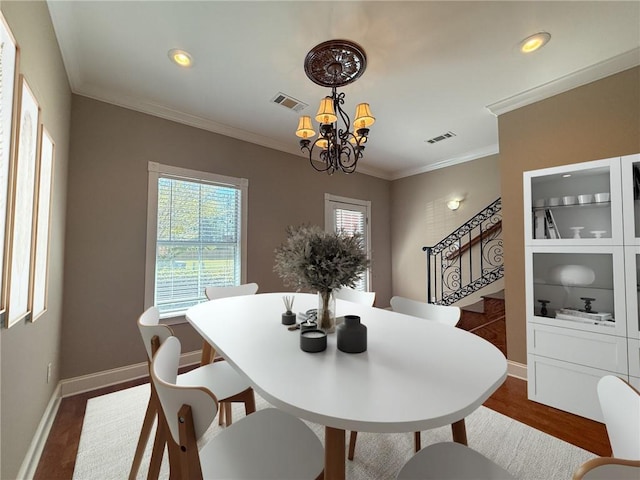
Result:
{"points": [[180, 57], [534, 42]]}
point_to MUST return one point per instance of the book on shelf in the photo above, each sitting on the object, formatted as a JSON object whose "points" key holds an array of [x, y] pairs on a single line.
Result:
{"points": [[539, 224], [552, 226], [573, 314]]}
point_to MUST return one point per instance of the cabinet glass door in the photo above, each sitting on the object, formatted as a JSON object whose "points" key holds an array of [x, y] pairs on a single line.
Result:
{"points": [[631, 198], [574, 204], [582, 290], [632, 269]]}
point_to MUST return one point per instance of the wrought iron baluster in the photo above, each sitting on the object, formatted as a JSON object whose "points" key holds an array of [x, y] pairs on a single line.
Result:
{"points": [[447, 280]]}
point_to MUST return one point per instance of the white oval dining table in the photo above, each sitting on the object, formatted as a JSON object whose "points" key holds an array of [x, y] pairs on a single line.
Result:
{"points": [[415, 375]]}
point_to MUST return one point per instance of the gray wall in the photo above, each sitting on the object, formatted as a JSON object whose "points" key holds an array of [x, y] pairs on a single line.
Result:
{"points": [[420, 217], [107, 208], [27, 347]]}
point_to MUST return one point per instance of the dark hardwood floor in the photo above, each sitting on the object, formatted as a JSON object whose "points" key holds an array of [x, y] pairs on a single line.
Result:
{"points": [[58, 458]]}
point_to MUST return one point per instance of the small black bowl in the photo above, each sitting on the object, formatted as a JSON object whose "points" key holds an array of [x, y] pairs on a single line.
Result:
{"points": [[313, 341]]}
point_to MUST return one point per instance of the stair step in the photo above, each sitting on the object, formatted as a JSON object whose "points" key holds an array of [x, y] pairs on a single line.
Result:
{"points": [[486, 319], [477, 307]]}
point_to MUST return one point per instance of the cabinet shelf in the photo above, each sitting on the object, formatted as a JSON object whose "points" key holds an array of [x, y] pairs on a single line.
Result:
{"points": [[575, 287], [573, 205]]}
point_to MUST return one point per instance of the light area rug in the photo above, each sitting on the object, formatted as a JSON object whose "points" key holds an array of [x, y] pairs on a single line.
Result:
{"points": [[112, 424]]}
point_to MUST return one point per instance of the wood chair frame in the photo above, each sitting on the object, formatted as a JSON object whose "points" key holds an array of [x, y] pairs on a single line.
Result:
{"points": [[595, 463]]}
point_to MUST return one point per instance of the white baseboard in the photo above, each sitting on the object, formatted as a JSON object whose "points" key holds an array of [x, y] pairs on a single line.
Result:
{"points": [[518, 370], [86, 383], [32, 458]]}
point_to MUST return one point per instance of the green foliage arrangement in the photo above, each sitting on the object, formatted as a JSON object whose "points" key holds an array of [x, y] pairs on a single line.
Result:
{"points": [[313, 259]]}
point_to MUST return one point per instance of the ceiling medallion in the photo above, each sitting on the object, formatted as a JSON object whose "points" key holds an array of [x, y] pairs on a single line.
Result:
{"points": [[334, 64]]}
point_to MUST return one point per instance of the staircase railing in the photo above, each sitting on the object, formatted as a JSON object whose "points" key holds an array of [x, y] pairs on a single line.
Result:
{"points": [[468, 259]]}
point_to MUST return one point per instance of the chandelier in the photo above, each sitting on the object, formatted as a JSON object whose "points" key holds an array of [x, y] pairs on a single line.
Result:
{"points": [[334, 64]]}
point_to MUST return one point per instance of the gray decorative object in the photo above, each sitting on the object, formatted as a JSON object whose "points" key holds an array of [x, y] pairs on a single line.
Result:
{"points": [[313, 341], [352, 335], [288, 317]]}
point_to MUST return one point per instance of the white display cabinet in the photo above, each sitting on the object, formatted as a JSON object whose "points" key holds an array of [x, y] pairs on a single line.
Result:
{"points": [[582, 264]]}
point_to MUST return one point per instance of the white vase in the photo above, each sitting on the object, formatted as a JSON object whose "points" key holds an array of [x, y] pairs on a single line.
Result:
{"points": [[327, 311]]}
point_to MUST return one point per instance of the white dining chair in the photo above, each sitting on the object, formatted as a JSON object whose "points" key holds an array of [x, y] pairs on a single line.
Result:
{"points": [[208, 352], [608, 468], [447, 314], [355, 296], [620, 404], [451, 461], [268, 444], [219, 377], [230, 291]]}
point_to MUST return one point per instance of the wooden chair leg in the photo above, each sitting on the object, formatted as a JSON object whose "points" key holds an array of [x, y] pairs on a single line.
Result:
{"points": [[353, 436], [175, 469], [221, 411], [249, 402], [417, 443], [190, 458], [208, 353], [227, 414], [162, 436], [161, 440], [147, 425]]}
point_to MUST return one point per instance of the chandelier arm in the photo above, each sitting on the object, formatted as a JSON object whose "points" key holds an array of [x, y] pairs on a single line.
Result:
{"points": [[310, 152]]}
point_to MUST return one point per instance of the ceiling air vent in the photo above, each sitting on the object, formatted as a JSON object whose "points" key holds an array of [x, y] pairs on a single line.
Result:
{"points": [[289, 102], [440, 138]]}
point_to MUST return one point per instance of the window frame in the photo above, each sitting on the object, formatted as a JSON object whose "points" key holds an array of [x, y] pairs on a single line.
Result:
{"points": [[330, 204], [157, 171]]}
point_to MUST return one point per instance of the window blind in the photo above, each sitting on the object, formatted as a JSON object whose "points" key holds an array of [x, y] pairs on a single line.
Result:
{"points": [[351, 222], [198, 241]]}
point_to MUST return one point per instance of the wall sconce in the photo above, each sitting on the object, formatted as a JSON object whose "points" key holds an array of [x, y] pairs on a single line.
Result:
{"points": [[453, 205]]}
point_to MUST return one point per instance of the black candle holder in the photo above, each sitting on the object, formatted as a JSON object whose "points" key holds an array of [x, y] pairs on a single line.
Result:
{"points": [[587, 304], [313, 341], [543, 309]]}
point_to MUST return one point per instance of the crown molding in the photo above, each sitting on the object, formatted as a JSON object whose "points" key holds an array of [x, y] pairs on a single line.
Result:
{"points": [[595, 72], [467, 157]]}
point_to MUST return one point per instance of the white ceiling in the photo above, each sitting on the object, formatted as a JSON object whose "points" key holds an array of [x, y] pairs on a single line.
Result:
{"points": [[433, 67]]}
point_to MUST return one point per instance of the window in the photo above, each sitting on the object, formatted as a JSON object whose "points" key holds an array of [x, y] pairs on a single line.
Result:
{"points": [[196, 236], [350, 216]]}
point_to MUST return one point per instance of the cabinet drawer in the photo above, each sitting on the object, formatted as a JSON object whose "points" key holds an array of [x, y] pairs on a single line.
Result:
{"points": [[634, 357], [569, 387], [605, 352]]}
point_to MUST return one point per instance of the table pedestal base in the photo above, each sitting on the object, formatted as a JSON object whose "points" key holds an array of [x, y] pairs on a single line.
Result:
{"points": [[334, 457], [459, 432]]}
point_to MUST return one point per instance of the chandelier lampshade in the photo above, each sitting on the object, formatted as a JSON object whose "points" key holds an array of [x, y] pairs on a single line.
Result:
{"points": [[334, 64], [305, 128], [326, 112], [364, 119]]}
